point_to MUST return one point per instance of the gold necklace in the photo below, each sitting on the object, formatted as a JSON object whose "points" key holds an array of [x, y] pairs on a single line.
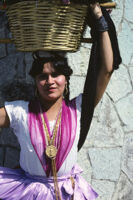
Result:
{"points": [[51, 150]]}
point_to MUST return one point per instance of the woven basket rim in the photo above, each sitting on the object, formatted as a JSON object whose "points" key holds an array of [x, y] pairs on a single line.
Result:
{"points": [[86, 2]]}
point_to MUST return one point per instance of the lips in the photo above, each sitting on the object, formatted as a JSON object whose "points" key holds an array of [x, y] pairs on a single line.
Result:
{"points": [[51, 89]]}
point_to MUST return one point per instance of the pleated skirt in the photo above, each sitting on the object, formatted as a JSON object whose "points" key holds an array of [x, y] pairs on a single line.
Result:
{"points": [[16, 184]]}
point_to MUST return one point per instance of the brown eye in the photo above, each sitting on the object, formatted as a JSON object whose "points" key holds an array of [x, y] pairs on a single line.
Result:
{"points": [[55, 74], [42, 77]]}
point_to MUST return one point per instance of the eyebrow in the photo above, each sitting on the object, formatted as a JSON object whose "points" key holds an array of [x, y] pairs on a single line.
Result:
{"points": [[54, 72]]}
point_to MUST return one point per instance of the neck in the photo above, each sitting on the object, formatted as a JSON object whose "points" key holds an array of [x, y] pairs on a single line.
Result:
{"points": [[51, 107], [46, 105]]}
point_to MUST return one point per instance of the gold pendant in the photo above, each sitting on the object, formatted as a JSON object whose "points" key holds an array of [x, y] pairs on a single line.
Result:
{"points": [[51, 151]]}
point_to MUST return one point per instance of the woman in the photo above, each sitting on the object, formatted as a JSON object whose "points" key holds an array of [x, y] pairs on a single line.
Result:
{"points": [[48, 129]]}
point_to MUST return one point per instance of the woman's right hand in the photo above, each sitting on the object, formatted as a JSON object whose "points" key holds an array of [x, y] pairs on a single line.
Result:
{"points": [[4, 119]]}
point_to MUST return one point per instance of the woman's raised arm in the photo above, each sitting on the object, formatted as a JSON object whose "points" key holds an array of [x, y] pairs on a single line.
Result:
{"points": [[106, 65], [106, 53]]}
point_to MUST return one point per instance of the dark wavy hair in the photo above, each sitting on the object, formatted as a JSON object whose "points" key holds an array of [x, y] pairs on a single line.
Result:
{"points": [[60, 64]]}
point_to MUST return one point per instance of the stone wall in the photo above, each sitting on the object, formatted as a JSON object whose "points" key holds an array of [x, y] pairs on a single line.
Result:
{"points": [[107, 155]]}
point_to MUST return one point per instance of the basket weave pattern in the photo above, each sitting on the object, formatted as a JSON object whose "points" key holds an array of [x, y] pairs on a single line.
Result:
{"points": [[46, 25]]}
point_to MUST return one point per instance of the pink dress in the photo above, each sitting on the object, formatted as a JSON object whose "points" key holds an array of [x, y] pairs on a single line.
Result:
{"points": [[33, 181]]}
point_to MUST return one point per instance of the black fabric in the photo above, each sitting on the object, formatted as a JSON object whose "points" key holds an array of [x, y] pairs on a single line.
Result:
{"points": [[2, 101], [101, 24], [89, 93]]}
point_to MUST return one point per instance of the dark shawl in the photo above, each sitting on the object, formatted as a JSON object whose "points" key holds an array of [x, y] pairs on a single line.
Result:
{"points": [[89, 92]]}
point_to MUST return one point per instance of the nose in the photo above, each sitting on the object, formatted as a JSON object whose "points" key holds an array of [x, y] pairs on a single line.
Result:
{"points": [[50, 79]]}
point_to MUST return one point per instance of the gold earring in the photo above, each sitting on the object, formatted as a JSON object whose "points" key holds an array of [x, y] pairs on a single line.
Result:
{"points": [[66, 90]]}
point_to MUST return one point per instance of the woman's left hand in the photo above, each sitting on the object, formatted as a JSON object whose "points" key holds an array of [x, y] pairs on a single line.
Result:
{"points": [[96, 10]]}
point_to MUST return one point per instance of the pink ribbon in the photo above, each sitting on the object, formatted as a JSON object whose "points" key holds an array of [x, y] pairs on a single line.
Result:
{"points": [[37, 135]]}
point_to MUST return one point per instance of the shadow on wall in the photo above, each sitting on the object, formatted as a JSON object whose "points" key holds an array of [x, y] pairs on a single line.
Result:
{"points": [[9, 146], [18, 90]]}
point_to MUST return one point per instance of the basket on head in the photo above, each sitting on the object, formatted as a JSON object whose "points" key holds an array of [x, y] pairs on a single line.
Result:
{"points": [[46, 25]]}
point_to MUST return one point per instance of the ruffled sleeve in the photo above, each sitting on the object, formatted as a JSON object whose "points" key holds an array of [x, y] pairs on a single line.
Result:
{"points": [[16, 111]]}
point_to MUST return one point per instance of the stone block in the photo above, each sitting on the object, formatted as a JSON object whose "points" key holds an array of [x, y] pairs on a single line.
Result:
{"points": [[11, 49], [7, 69], [127, 165], [76, 85], [128, 10], [28, 61], [2, 51], [84, 163], [11, 158], [18, 90], [104, 189], [117, 14], [9, 138], [28, 78], [86, 35], [131, 62], [105, 163], [2, 46], [79, 61], [119, 85], [28, 57], [14, 65], [105, 129], [1, 156], [126, 43], [20, 66], [3, 19], [124, 189], [125, 110], [131, 73]]}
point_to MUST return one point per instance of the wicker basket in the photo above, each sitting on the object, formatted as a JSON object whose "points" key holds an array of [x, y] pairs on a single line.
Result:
{"points": [[46, 25]]}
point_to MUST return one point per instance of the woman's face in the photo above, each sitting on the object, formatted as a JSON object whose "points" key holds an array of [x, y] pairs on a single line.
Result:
{"points": [[50, 84]]}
